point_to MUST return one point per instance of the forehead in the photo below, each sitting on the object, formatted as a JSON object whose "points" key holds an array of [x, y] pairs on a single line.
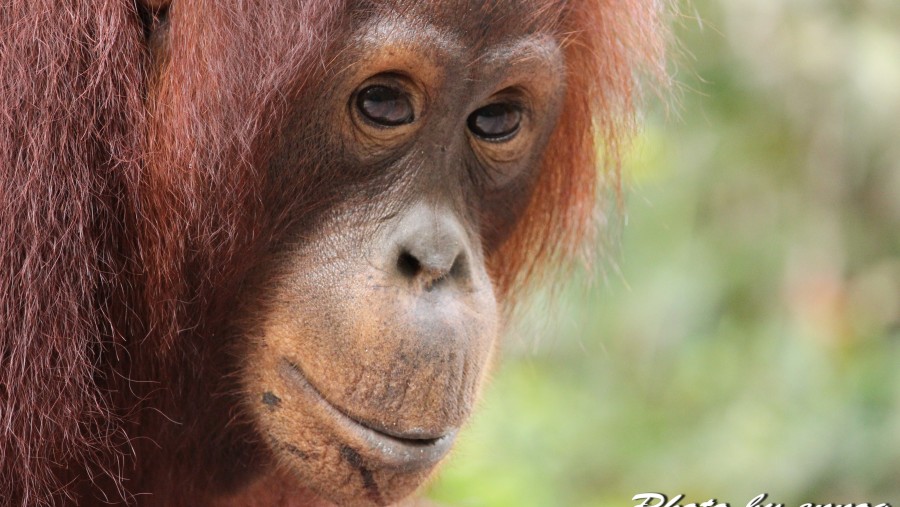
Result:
{"points": [[464, 46], [475, 24]]}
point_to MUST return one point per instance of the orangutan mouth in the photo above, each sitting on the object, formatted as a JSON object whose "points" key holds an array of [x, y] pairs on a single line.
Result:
{"points": [[407, 451]]}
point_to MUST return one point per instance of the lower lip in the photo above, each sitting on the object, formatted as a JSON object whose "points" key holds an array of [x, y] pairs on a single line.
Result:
{"points": [[393, 451]]}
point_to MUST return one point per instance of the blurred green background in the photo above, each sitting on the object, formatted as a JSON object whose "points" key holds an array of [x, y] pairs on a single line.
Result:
{"points": [[742, 335]]}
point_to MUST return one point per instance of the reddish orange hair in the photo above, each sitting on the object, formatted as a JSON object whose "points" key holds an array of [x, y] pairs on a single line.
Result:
{"points": [[607, 45], [126, 198]]}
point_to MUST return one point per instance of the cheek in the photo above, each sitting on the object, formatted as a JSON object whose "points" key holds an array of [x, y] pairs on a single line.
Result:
{"points": [[356, 380]]}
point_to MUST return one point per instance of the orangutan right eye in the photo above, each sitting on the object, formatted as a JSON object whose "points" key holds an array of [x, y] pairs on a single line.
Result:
{"points": [[496, 122]]}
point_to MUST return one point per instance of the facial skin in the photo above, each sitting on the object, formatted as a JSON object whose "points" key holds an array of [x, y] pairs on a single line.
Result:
{"points": [[257, 253], [379, 321]]}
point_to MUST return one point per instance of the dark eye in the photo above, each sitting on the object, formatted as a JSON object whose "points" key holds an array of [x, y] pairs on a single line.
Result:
{"points": [[496, 122], [385, 106]]}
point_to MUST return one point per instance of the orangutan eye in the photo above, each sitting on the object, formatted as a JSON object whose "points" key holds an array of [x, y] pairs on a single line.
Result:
{"points": [[385, 106], [496, 122]]}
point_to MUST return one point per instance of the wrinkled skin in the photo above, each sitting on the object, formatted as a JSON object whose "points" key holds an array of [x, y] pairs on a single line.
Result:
{"points": [[258, 253], [379, 324]]}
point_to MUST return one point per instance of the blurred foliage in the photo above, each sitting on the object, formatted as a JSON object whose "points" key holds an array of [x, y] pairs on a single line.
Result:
{"points": [[743, 336]]}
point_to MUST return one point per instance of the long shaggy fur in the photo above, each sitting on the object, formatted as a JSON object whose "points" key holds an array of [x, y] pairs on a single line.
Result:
{"points": [[71, 115], [130, 200]]}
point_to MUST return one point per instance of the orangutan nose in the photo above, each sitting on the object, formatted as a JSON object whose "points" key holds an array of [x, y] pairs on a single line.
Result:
{"points": [[431, 248]]}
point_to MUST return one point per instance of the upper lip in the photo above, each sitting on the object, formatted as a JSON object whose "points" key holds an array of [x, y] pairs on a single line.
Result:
{"points": [[412, 449]]}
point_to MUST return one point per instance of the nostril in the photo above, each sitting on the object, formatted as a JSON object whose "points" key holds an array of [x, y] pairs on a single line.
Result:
{"points": [[431, 275], [460, 268], [408, 265], [428, 250]]}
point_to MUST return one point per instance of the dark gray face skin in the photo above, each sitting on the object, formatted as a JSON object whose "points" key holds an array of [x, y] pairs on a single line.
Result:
{"points": [[381, 320]]}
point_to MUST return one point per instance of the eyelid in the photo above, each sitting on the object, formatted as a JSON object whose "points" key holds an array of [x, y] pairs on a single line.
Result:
{"points": [[500, 138], [517, 95], [377, 122], [504, 155], [399, 81], [376, 140], [389, 78]]}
